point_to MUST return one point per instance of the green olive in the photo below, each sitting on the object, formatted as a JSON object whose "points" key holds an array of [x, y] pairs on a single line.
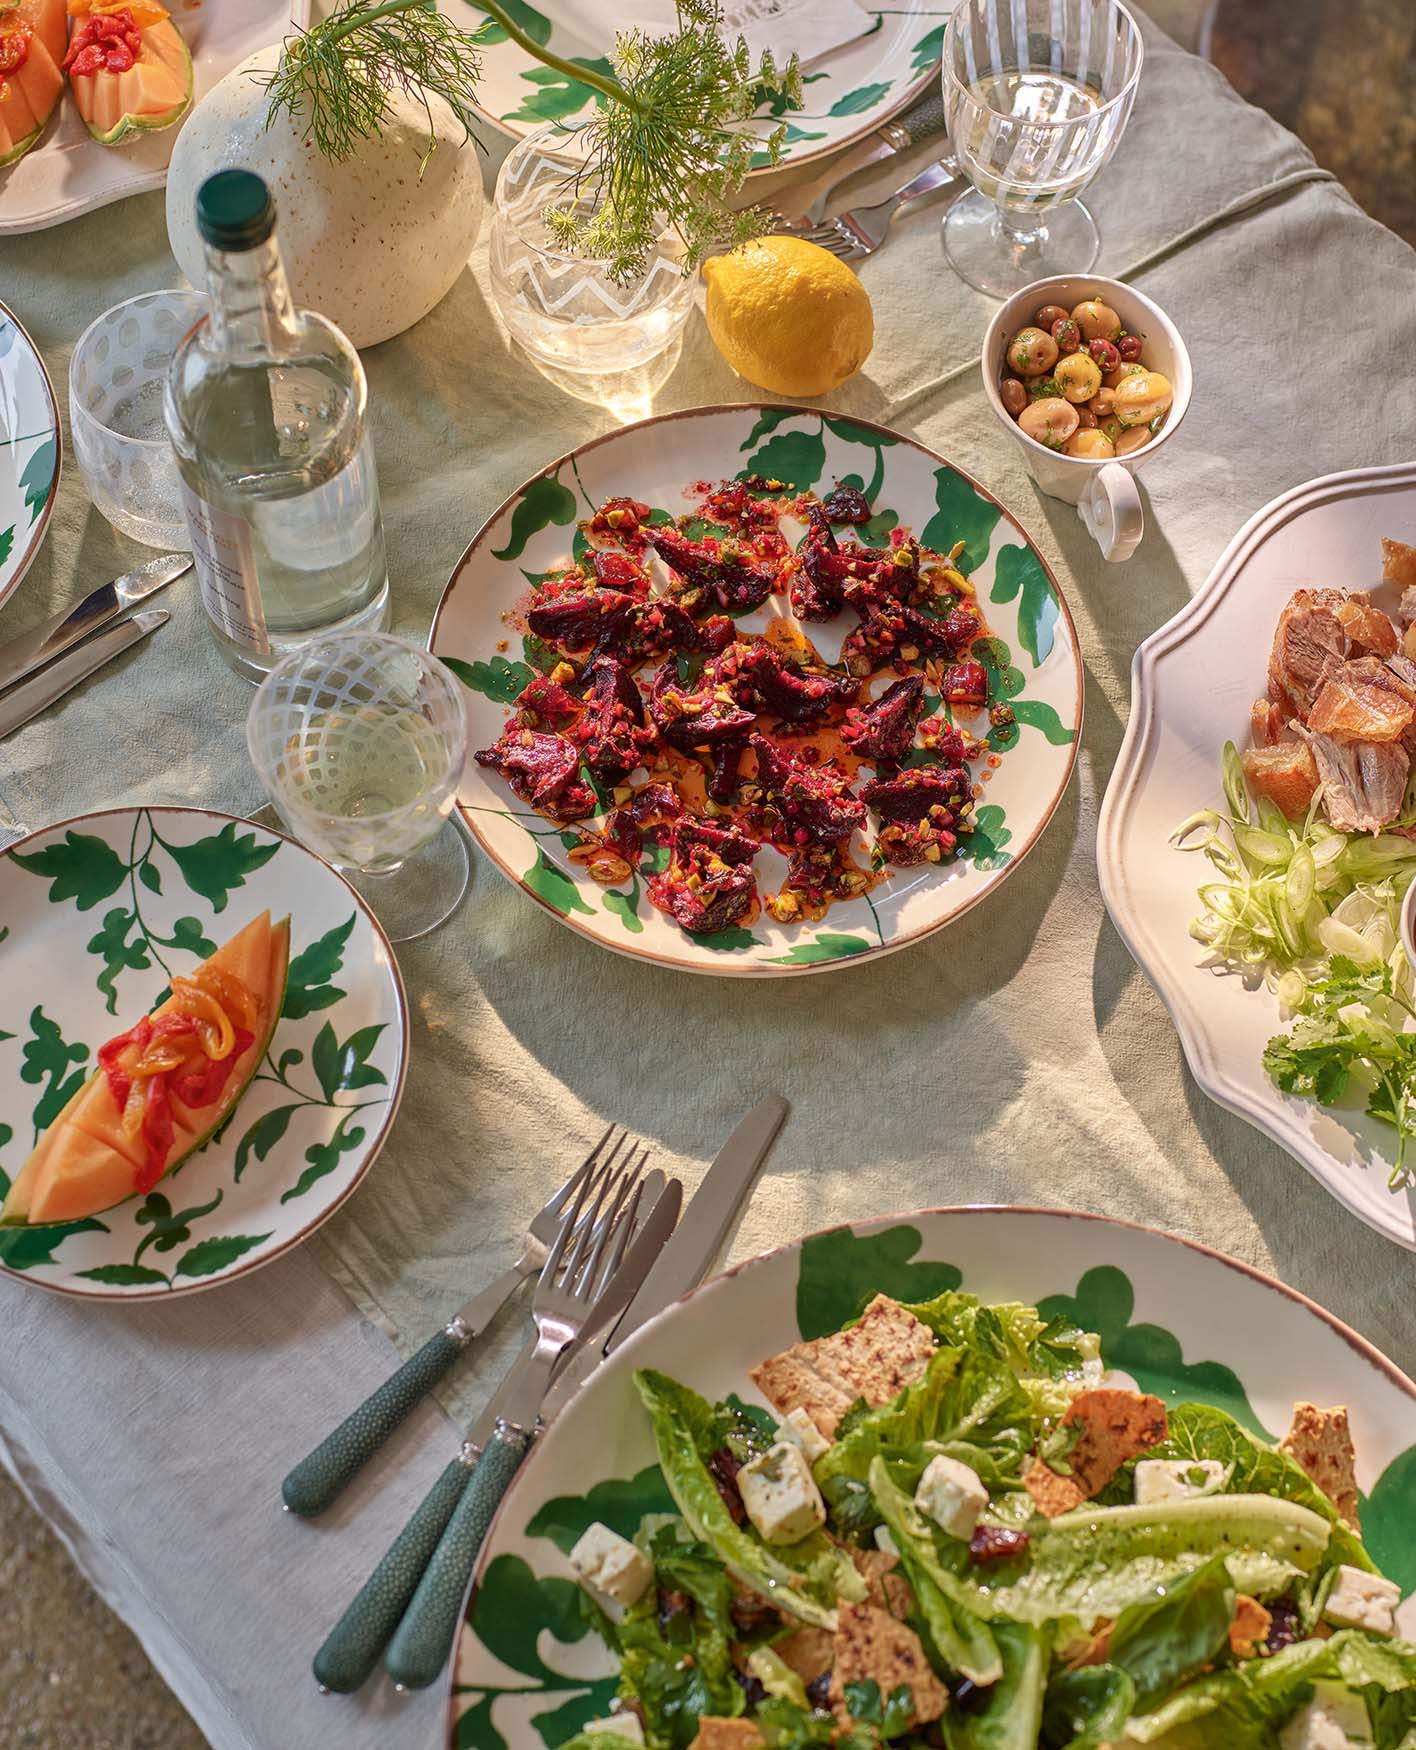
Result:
{"points": [[1031, 353], [1051, 421], [1078, 376], [1143, 398], [1097, 321], [1135, 439], [1090, 444]]}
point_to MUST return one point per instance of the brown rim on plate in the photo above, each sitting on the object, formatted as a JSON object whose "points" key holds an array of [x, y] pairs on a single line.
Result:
{"points": [[1365, 1350], [877, 950], [199, 1286], [37, 532]]}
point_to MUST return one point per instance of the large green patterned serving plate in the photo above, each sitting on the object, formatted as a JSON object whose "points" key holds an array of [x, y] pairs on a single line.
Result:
{"points": [[95, 914], [845, 94], [1175, 1318], [1034, 653]]}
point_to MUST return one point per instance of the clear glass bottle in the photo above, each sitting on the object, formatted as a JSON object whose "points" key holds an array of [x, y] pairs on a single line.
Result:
{"points": [[266, 409]]}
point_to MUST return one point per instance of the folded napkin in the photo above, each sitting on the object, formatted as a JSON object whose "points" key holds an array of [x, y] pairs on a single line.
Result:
{"points": [[806, 28]]}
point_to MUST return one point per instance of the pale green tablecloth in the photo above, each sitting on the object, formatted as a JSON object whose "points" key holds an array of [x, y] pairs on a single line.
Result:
{"points": [[1018, 1056]]}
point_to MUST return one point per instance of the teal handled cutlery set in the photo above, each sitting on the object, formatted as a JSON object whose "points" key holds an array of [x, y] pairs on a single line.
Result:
{"points": [[608, 1252]]}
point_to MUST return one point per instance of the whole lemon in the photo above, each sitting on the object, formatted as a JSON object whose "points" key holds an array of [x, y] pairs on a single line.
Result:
{"points": [[788, 316]]}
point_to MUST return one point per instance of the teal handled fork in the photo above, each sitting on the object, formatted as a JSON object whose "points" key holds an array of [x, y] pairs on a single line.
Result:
{"points": [[315, 1483]]}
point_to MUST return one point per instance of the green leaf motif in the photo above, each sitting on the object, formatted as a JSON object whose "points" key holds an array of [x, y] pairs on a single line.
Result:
{"points": [[215, 866], [26, 1248], [827, 946], [536, 25], [7, 542], [928, 51], [543, 502], [1021, 574], [625, 906], [864, 97], [346, 1065], [262, 1137], [1389, 1521], [840, 1272], [962, 515], [46, 1057], [1037, 714], [1104, 1302], [149, 876], [514, 1608], [555, 887], [38, 478], [728, 941], [498, 679], [188, 935], [983, 847], [125, 1276], [559, 96], [619, 1502], [170, 1228], [798, 457], [118, 954], [323, 1157], [208, 1257], [82, 867], [767, 421], [307, 984], [850, 431]]}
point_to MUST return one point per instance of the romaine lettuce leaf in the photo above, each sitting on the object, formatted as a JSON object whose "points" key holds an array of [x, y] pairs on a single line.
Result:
{"points": [[803, 1579], [962, 1641], [1009, 1714], [1161, 1641], [1088, 1708], [789, 1727]]}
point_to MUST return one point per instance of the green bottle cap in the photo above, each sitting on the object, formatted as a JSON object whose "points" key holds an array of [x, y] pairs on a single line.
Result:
{"points": [[234, 210]]}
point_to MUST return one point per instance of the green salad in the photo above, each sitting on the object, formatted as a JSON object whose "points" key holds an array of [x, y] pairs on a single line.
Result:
{"points": [[952, 1529]]}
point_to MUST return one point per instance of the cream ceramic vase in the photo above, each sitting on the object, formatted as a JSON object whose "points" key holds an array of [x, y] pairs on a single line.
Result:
{"points": [[369, 242]]}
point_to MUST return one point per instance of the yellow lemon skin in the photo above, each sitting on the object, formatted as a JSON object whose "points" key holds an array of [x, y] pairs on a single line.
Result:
{"points": [[788, 316]]}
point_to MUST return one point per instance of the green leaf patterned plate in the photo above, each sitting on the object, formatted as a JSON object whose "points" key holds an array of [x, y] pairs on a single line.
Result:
{"points": [[1034, 654], [95, 914], [29, 452], [1180, 1320], [846, 94]]}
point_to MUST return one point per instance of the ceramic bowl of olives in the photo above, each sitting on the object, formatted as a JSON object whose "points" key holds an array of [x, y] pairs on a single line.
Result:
{"points": [[1091, 378]]}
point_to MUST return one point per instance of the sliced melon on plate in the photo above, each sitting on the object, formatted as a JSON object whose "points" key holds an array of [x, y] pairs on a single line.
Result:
{"points": [[162, 1087], [129, 68], [33, 35]]}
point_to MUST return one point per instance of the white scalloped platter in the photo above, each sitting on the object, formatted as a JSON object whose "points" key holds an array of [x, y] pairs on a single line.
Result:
{"points": [[1192, 683]]}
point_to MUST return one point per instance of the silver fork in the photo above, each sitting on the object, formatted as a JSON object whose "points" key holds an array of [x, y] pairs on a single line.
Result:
{"points": [[564, 1302], [861, 230], [319, 1477], [804, 201]]}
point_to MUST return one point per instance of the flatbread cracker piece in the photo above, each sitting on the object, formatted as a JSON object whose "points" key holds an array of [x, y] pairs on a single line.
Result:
{"points": [[1248, 1633], [871, 1644], [1053, 1494], [887, 1349], [720, 1734], [1398, 562], [1320, 1443], [1115, 1425]]}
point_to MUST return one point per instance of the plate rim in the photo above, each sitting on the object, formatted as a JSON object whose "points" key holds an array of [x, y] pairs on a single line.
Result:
{"points": [[38, 530], [244, 1268], [1270, 1117], [1362, 1346], [876, 952]]}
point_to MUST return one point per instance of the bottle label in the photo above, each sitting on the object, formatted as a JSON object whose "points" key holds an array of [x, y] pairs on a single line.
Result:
{"points": [[225, 563]]}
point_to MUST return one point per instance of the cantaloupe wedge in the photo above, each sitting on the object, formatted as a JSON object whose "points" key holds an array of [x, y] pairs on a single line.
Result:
{"points": [[33, 36], [140, 92], [86, 1162]]}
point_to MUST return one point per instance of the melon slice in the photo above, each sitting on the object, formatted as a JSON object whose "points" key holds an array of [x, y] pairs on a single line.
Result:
{"points": [[120, 90], [33, 35], [86, 1162]]}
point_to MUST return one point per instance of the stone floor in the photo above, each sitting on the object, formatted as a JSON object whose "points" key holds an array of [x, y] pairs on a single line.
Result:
{"points": [[1340, 73]]}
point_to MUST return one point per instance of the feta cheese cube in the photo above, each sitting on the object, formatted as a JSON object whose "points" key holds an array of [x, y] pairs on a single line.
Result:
{"points": [[1362, 1600], [884, 1541], [1178, 1479], [624, 1726], [1332, 1720], [610, 1565], [1093, 1373], [951, 1494], [781, 1498], [799, 1429]]}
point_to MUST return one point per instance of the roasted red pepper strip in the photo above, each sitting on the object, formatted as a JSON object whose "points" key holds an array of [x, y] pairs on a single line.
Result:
{"points": [[157, 1133], [199, 1087]]}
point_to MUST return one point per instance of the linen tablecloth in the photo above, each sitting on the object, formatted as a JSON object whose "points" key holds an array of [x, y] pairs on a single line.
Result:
{"points": [[1017, 1056]]}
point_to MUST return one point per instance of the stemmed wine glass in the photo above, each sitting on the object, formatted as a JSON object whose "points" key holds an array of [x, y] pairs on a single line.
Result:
{"points": [[1037, 93]]}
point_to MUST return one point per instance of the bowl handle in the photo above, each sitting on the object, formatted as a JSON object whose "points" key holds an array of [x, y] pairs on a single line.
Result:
{"points": [[1111, 510]]}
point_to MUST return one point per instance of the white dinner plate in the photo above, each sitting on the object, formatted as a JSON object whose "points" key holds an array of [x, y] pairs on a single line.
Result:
{"points": [[30, 447]]}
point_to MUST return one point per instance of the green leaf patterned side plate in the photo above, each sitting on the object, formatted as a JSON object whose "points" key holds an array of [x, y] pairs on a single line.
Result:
{"points": [[846, 94], [95, 914], [29, 452], [1180, 1320], [1033, 655]]}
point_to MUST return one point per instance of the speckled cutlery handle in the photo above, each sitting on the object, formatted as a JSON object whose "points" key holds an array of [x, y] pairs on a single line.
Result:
{"points": [[419, 1649], [317, 1480], [352, 1648], [926, 118]]}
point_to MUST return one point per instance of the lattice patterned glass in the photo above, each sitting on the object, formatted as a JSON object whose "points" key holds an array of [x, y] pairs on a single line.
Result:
{"points": [[359, 739]]}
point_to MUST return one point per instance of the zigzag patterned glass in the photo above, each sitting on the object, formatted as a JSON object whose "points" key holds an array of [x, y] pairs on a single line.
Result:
{"points": [[564, 309], [1037, 93]]}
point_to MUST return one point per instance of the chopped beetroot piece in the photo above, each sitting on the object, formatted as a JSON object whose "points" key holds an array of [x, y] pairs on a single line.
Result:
{"points": [[655, 802], [893, 633], [650, 629], [961, 627], [692, 836], [542, 769], [723, 571], [966, 683], [619, 571], [911, 794], [709, 884], [619, 517], [805, 804], [763, 678], [692, 716], [931, 839], [995, 1543], [817, 577], [622, 835], [578, 621], [880, 574], [883, 731], [727, 758], [946, 739], [715, 634], [615, 737], [821, 873], [550, 702], [847, 504]]}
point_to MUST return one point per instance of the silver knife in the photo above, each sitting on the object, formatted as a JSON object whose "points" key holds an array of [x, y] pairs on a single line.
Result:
{"points": [[40, 692], [31, 650]]}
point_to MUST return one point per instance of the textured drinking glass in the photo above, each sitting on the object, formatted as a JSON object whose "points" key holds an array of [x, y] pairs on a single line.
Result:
{"points": [[359, 739], [116, 378], [565, 309], [1037, 93]]}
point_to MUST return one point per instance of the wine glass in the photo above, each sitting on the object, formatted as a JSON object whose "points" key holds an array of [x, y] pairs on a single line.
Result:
{"points": [[359, 739], [1037, 93]]}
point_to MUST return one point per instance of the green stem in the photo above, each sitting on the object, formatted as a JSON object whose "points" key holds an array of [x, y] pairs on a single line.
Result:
{"points": [[133, 863], [610, 88]]}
